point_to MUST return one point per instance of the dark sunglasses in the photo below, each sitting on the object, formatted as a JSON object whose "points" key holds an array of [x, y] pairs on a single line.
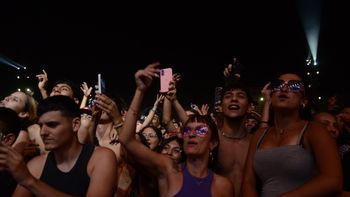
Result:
{"points": [[201, 131], [292, 85]]}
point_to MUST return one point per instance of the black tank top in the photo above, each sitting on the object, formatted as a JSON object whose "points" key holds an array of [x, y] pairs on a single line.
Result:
{"points": [[74, 182]]}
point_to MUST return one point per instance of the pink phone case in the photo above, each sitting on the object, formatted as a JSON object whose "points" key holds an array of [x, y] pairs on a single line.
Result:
{"points": [[166, 75]]}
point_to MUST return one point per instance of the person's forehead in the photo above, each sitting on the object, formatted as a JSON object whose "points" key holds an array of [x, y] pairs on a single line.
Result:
{"points": [[63, 85], [19, 95], [173, 144], [196, 124], [149, 129], [288, 77], [235, 91]]}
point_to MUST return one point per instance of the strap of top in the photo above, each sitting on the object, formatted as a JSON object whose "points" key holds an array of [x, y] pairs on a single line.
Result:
{"points": [[301, 134], [300, 137]]}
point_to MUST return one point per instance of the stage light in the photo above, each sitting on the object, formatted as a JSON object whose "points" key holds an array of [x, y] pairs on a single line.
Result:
{"points": [[18, 77], [308, 73], [319, 98], [317, 72], [261, 98]]}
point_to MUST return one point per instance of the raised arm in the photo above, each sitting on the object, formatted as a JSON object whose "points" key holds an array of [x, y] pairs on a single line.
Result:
{"points": [[167, 105], [266, 93], [42, 83], [151, 113], [140, 153], [87, 91], [172, 96]]}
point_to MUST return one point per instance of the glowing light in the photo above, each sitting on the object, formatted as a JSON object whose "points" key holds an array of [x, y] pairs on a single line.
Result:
{"points": [[310, 12], [18, 77], [19, 89], [317, 72], [319, 98], [261, 98], [308, 73], [309, 86], [28, 90], [28, 77]]}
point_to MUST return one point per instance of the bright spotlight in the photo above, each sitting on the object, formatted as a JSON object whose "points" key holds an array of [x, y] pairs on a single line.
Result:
{"points": [[317, 72], [319, 98], [19, 89], [18, 77], [310, 12], [261, 98]]}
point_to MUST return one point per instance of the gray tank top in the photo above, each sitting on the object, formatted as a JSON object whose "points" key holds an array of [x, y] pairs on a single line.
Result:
{"points": [[283, 169]]}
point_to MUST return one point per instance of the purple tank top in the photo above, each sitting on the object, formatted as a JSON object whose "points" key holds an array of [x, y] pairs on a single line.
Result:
{"points": [[193, 186]]}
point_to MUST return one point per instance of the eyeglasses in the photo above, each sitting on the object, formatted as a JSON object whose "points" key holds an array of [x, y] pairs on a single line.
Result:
{"points": [[292, 85], [201, 131]]}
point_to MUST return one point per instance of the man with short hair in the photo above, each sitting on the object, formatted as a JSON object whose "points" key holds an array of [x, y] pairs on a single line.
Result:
{"points": [[69, 168], [234, 137]]}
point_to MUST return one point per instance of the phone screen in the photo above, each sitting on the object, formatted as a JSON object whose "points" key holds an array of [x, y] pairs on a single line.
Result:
{"points": [[166, 76], [101, 86]]}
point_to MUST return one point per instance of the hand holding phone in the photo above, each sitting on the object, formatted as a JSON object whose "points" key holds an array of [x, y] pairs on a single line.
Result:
{"points": [[166, 76]]}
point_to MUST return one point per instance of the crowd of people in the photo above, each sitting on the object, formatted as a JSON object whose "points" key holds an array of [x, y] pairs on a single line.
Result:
{"points": [[99, 145]]}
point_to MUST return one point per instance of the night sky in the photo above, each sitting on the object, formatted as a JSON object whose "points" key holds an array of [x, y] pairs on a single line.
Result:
{"points": [[196, 40]]}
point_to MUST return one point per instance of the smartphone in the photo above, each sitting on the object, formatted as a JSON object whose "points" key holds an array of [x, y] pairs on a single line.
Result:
{"points": [[217, 96], [101, 86], [166, 76]]}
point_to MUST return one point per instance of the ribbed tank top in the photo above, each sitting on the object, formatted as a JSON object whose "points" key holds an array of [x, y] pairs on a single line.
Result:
{"points": [[193, 186], [282, 169], [74, 182]]}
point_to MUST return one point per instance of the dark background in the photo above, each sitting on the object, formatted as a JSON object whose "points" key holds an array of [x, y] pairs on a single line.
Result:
{"points": [[198, 41]]}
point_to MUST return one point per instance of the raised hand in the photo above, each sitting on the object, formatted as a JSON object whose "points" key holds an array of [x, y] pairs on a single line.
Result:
{"points": [[42, 83], [144, 77], [171, 94], [42, 79], [232, 68], [205, 109], [86, 89], [266, 93]]}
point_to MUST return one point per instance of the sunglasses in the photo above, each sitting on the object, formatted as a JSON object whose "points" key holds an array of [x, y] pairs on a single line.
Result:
{"points": [[292, 85], [201, 131]]}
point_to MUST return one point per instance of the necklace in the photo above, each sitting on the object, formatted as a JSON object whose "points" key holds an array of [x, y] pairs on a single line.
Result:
{"points": [[284, 130], [199, 181], [230, 136]]}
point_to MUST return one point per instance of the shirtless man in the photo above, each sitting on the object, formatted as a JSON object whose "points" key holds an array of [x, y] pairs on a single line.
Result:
{"points": [[234, 138]]}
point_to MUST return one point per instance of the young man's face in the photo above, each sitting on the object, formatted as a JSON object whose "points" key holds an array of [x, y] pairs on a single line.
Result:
{"points": [[62, 89], [235, 103], [56, 130]]}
